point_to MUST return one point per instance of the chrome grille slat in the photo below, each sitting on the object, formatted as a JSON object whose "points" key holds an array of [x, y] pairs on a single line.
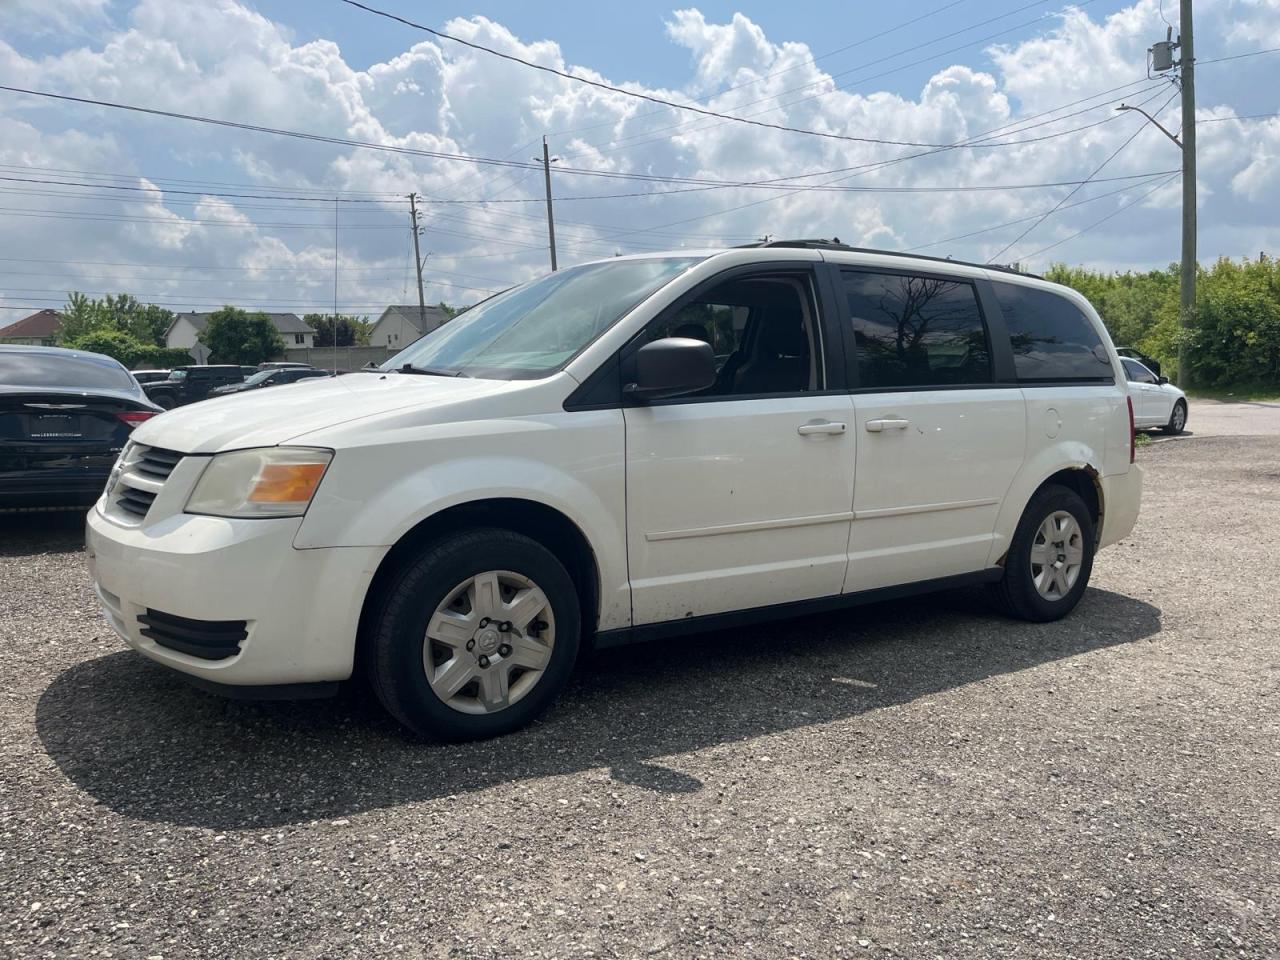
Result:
{"points": [[142, 476]]}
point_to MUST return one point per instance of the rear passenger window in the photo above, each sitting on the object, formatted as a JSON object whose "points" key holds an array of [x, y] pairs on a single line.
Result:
{"points": [[1051, 337], [916, 331]]}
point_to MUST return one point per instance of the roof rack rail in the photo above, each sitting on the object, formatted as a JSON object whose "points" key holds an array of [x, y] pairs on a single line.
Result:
{"points": [[835, 244]]}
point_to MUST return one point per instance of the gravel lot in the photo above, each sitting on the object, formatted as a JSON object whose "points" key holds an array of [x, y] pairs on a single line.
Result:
{"points": [[916, 779]]}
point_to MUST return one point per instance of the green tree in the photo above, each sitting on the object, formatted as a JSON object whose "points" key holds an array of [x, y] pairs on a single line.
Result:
{"points": [[237, 336], [146, 323], [348, 331]]}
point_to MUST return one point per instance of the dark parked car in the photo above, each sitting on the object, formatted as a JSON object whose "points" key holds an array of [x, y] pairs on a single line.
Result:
{"points": [[189, 384], [149, 376], [64, 417], [273, 378]]}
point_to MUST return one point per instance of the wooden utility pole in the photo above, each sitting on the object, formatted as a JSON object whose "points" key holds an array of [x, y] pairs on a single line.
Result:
{"points": [[417, 261], [551, 218], [1187, 306]]}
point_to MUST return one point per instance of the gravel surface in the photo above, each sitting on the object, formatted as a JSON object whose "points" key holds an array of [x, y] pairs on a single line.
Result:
{"points": [[915, 779]]}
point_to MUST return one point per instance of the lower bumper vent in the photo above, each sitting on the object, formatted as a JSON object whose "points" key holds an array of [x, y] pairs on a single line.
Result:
{"points": [[206, 639]]}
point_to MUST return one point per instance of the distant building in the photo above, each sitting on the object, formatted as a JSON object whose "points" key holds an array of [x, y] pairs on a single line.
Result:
{"points": [[185, 330], [38, 330], [401, 324]]}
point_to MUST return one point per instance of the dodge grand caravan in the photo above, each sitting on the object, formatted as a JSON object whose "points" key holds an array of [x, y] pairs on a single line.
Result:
{"points": [[638, 446]]}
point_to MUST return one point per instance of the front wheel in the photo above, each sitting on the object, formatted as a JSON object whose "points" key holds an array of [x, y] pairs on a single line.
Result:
{"points": [[1050, 559], [1177, 419], [476, 636]]}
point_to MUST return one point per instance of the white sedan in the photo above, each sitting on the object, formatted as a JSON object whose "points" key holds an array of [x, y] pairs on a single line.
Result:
{"points": [[1156, 401]]}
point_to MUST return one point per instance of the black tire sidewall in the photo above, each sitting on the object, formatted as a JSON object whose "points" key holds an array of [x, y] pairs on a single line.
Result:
{"points": [[399, 633], [1020, 587], [1169, 427]]}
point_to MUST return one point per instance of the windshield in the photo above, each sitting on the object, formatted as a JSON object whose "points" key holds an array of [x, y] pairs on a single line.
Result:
{"points": [[63, 370], [258, 377], [534, 329]]}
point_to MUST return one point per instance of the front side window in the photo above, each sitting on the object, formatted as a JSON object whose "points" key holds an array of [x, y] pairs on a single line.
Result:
{"points": [[1137, 373], [915, 331], [762, 330], [1051, 337], [532, 330]]}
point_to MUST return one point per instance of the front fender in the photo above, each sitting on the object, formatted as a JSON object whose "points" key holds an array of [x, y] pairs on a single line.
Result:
{"points": [[374, 495]]}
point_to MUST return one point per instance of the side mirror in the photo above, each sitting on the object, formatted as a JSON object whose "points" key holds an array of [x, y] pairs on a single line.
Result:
{"points": [[671, 367], [1162, 380]]}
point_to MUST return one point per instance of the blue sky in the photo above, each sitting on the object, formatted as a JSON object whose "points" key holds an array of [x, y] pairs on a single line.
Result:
{"points": [[327, 68]]}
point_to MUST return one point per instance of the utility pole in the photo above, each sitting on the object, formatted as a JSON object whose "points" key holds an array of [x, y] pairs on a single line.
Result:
{"points": [[547, 160], [1160, 60], [417, 260], [1187, 309]]}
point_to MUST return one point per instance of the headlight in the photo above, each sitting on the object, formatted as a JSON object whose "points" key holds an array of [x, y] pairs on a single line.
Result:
{"points": [[267, 482]]}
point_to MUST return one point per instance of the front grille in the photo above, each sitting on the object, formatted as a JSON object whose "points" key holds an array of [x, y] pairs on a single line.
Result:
{"points": [[143, 473], [134, 501], [206, 639], [156, 462]]}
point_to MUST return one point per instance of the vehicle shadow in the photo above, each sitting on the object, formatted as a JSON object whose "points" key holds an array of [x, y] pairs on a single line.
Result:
{"points": [[41, 531], [143, 743]]}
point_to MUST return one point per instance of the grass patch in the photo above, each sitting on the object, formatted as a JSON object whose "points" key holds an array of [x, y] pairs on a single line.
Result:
{"points": [[1141, 438], [1240, 394]]}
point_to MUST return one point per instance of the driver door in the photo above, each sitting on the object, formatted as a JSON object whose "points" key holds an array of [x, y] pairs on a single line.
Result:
{"points": [[742, 496]]}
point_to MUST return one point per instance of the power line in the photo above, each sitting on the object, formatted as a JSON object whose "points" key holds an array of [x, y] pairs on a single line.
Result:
{"points": [[1033, 216], [778, 73], [1119, 210], [599, 84], [1097, 170], [632, 141]]}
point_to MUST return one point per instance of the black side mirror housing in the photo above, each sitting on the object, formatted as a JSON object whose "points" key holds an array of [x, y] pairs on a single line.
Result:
{"points": [[1163, 380], [671, 367]]}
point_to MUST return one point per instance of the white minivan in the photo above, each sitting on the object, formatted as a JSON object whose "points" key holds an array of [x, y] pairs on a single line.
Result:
{"points": [[635, 447]]}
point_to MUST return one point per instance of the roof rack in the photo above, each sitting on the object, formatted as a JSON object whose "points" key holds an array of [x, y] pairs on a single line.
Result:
{"points": [[835, 244]]}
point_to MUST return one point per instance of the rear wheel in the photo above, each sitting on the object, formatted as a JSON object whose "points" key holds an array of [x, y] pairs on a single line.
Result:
{"points": [[1177, 419], [1050, 559], [476, 637], [164, 401]]}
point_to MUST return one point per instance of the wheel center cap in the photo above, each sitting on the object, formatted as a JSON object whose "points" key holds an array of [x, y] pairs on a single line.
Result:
{"points": [[487, 641]]}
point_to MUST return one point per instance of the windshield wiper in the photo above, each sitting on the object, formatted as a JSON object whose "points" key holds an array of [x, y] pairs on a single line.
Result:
{"points": [[429, 371]]}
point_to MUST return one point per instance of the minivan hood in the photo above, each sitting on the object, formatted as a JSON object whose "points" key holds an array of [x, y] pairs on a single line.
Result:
{"points": [[266, 418]]}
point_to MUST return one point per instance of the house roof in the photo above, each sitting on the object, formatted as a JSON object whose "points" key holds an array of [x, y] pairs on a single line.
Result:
{"points": [[43, 323], [284, 322], [423, 322]]}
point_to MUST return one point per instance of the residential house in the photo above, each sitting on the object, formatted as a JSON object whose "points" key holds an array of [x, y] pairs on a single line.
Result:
{"points": [[401, 324], [38, 330], [185, 331]]}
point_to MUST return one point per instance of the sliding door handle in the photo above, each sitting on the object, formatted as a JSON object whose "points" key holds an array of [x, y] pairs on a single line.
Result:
{"points": [[820, 426], [887, 423]]}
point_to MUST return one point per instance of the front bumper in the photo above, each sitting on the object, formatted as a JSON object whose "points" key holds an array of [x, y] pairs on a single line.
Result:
{"points": [[1121, 499], [300, 608]]}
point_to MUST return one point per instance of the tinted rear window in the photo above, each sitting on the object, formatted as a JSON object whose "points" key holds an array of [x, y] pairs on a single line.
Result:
{"points": [[63, 371], [916, 331], [1052, 339]]}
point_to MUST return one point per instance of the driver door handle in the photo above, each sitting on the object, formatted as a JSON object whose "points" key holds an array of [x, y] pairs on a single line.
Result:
{"points": [[820, 426], [887, 423]]}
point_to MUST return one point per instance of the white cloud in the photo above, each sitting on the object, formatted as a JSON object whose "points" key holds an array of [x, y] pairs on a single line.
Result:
{"points": [[222, 59]]}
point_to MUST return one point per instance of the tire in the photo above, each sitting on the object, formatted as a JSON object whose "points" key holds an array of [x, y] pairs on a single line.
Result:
{"points": [[1017, 592], [450, 580], [164, 401], [1177, 419]]}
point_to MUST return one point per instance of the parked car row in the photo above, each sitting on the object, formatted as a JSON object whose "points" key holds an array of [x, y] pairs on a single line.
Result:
{"points": [[183, 385]]}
